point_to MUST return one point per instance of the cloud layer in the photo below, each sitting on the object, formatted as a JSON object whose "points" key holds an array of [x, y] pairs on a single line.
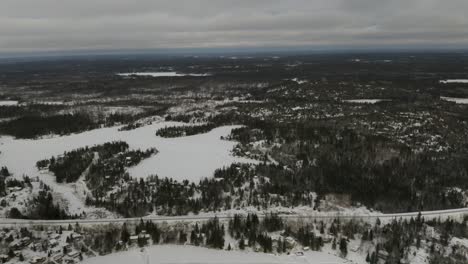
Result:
{"points": [[32, 25]]}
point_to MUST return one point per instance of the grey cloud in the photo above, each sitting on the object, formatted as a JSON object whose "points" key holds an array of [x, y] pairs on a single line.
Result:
{"points": [[32, 25]]}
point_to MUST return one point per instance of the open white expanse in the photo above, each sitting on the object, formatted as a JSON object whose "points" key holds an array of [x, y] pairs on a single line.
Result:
{"points": [[456, 100], [8, 102], [161, 74], [454, 81], [188, 254], [191, 158]]}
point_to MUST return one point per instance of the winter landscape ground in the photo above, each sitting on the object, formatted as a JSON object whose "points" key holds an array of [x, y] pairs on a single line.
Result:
{"points": [[270, 158]]}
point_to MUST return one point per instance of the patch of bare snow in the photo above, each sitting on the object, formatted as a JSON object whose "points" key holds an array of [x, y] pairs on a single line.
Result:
{"points": [[8, 102], [364, 101], [161, 74], [454, 81], [456, 100], [298, 81]]}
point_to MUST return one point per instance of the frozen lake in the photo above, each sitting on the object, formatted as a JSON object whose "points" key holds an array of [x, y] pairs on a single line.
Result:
{"points": [[191, 158]]}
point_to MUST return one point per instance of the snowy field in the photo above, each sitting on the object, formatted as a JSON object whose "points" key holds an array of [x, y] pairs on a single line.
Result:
{"points": [[189, 254], [191, 158], [454, 81], [161, 74], [456, 100], [8, 102]]}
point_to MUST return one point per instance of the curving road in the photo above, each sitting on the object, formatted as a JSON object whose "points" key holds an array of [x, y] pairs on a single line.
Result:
{"points": [[458, 213]]}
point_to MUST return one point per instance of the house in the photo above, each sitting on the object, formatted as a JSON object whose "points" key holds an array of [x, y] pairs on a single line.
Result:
{"points": [[54, 236], [76, 236], [68, 248], [15, 189], [327, 238], [55, 250], [73, 254], [58, 257], [354, 248], [382, 254], [53, 242], [290, 242], [70, 261], [15, 245], [133, 238], [25, 241], [37, 260]]}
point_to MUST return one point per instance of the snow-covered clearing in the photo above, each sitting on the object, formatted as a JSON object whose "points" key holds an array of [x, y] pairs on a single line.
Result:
{"points": [[454, 81], [189, 254], [456, 100], [161, 74], [8, 102], [190, 158]]}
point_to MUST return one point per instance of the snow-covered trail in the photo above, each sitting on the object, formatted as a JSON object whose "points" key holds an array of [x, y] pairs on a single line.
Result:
{"points": [[186, 158]]}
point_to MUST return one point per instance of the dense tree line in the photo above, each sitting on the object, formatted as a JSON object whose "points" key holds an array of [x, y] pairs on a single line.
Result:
{"points": [[70, 166], [4, 171], [185, 130], [32, 126], [369, 168]]}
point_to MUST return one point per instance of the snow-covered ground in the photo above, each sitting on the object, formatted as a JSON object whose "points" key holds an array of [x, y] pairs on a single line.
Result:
{"points": [[190, 254], [190, 158], [364, 101], [161, 74], [8, 102], [454, 81], [456, 100]]}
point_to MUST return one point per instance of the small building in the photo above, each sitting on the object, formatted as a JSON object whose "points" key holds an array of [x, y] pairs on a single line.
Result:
{"points": [[73, 254], [55, 250], [53, 242], [290, 242], [76, 236], [15, 189], [58, 257], [54, 236], [382, 254], [15, 245], [25, 241], [37, 260]]}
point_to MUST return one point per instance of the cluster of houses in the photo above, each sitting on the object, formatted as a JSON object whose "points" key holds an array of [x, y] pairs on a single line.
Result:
{"points": [[50, 247]]}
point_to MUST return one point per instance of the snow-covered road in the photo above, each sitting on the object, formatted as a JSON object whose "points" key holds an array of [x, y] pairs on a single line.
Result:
{"points": [[451, 213]]}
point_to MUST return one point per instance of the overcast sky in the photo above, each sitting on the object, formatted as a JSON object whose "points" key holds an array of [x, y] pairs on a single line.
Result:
{"points": [[50, 25]]}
